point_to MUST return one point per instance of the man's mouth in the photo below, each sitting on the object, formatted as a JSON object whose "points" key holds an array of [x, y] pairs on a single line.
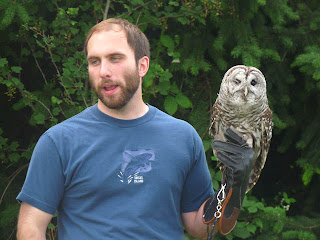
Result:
{"points": [[109, 90]]}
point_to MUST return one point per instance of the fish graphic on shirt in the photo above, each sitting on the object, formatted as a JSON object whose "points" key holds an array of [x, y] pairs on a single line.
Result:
{"points": [[135, 162]]}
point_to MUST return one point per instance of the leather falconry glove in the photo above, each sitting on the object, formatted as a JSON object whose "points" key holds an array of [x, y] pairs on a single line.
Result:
{"points": [[226, 204]]}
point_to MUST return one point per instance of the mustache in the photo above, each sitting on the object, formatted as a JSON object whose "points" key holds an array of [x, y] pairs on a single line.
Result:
{"points": [[110, 82]]}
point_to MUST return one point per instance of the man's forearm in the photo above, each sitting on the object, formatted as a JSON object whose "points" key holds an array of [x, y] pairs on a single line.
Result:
{"points": [[194, 225]]}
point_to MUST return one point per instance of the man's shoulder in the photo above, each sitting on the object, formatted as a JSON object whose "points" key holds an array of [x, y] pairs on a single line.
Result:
{"points": [[72, 124], [168, 120]]}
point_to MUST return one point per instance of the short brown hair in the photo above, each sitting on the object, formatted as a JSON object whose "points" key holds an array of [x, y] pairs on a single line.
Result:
{"points": [[135, 37]]}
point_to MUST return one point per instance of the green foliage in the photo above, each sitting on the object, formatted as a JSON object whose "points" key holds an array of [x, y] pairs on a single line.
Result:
{"points": [[43, 75], [8, 220]]}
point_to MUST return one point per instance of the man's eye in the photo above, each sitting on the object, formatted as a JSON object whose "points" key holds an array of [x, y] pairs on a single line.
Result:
{"points": [[115, 59], [94, 62]]}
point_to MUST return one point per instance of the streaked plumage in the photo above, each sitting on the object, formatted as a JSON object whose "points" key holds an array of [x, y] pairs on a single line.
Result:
{"points": [[242, 105]]}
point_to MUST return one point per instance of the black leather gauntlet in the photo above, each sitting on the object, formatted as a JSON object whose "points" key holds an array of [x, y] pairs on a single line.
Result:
{"points": [[225, 205]]}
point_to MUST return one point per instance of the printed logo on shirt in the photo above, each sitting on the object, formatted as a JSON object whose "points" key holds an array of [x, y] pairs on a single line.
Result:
{"points": [[134, 164]]}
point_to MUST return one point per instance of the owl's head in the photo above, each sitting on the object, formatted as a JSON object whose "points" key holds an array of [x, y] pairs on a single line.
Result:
{"points": [[242, 85]]}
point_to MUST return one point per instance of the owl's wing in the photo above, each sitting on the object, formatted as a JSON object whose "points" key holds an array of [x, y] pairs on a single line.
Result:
{"points": [[214, 118], [266, 135], [216, 130]]}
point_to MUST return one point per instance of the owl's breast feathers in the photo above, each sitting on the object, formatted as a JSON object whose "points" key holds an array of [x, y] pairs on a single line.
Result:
{"points": [[255, 125]]}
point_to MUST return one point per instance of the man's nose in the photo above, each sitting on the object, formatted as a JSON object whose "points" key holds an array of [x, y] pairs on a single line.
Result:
{"points": [[105, 70]]}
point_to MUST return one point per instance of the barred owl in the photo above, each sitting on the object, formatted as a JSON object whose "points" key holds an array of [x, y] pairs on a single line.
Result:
{"points": [[242, 105]]}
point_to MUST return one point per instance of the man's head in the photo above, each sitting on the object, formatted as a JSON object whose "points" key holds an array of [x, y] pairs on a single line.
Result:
{"points": [[135, 37], [117, 63]]}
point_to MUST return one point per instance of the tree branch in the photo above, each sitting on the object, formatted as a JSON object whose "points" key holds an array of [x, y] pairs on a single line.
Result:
{"points": [[135, 9], [45, 107], [13, 177], [166, 17], [105, 14], [35, 59]]}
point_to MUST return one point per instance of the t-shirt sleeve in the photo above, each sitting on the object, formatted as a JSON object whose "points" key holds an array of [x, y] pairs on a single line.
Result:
{"points": [[44, 184], [198, 185]]}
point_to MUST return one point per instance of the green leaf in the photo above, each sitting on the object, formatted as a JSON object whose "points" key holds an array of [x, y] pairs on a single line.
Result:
{"points": [[147, 81], [3, 61], [16, 81], [261, 2], [14, 157], [251, 228], [165, 76], [174, 88], [241, 231], [16, 69], [163, 88], [183, 20], [26, 154], [218, 176], [39, 118], [13, 146], [174, 3], [56, 111], [51, 226], [54, 120], [55, 100], [22, 13], [213, 158], [3, 140], [308, 174], [258, 222], [78, 84], [206, 145], [74, 31], [260, 205], [73, 11], [183, 101], [167, 42], [277, 228], [170, 105], [252, 209], [8, 15], [229, 237], [215, 184]]}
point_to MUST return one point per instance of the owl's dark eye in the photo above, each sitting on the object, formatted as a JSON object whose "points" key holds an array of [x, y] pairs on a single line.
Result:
{"points": [[253, 82], [237, 81]]}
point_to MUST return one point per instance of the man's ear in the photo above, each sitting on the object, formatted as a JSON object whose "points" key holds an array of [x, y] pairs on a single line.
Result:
{"points": [[143, 66]]}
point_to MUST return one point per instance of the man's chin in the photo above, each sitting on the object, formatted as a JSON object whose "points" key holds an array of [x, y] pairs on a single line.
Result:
{"points": [[113, 104]]}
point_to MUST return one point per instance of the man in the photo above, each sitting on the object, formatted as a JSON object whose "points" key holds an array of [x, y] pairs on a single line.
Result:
{"points": [[120, 169]]}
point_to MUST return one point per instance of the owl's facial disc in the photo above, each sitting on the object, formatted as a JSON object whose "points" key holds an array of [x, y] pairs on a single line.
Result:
{"points": [[244, 88]]}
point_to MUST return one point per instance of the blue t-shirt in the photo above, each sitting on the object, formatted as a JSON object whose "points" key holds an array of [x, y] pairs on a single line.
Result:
{"points": [[118, 179]]}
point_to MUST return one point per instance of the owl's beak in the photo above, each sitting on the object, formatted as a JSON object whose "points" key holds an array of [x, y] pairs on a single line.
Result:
{"points": [[245, 91]]}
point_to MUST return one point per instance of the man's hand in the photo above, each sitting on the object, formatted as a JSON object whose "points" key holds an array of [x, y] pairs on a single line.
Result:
{"points": [[237, 157]]}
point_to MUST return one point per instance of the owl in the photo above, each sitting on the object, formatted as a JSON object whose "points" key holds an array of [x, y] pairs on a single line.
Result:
{"points": [[242, 105]]}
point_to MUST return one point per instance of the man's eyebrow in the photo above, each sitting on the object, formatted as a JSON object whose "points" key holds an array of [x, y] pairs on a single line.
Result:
{"points": [[109, 55], [91, 57], [116, 54]]}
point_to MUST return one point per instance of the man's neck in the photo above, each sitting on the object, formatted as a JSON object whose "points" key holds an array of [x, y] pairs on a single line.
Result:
{"points": [[128, 112]]}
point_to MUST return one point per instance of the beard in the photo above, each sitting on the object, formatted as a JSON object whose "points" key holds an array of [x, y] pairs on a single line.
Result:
{"points": [[132, 82]]}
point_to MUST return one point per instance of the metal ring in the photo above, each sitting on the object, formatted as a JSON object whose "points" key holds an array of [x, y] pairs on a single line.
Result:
{"points": [[217, 214]]}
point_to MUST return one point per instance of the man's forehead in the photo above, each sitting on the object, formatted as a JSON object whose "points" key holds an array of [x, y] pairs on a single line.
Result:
{"points": [[114, 31], [117, 37], [99, 42]]}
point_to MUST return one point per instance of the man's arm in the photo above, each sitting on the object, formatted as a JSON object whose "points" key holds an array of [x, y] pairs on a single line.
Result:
{"points": [[193, 223], [238, 157], [32, 223]]}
